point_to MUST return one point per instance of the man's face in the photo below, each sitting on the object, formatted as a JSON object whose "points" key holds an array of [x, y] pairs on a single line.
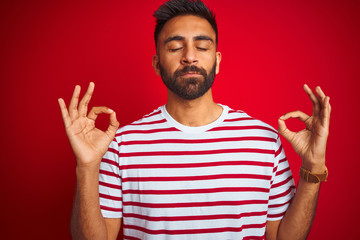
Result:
{"points": [[186, 58]]}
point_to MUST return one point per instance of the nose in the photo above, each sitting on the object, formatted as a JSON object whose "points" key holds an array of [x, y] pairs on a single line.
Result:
{"points": [[189, 56]]}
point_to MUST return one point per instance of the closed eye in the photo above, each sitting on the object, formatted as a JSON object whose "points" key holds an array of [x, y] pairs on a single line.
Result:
{"points": [[202, 49], [174, 49]]}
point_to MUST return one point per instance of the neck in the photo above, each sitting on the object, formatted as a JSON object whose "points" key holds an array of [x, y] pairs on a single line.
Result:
{"points": [[193, 113]]}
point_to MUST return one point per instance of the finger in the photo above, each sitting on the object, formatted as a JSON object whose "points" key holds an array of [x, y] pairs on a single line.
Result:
{"points": [[296, 114], [325, 107], [325, 115], [284, 131], [83, 106], [320, 93], [64, 113], [314, 99], [73, 111], [113, 126], [95, 111], [324, 99]]}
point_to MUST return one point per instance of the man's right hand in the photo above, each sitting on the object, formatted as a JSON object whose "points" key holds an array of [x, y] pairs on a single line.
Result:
{"points": [[88, 142]]}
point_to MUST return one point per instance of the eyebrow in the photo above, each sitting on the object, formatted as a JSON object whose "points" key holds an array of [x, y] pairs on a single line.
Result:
{"points": [[181, 38], [203, 37], [174, 38]]}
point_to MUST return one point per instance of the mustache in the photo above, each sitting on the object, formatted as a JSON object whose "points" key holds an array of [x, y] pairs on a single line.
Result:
{"points": [[191, 68]]}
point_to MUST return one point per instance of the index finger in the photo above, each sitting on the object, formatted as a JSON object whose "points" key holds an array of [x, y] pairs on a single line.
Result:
{"points": [[83, 106]]}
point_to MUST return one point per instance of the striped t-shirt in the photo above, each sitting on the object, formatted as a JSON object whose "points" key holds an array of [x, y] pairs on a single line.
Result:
{"points": [[222, 181]]}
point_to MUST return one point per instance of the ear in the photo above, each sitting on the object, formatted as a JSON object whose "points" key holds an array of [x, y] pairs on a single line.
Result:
{"points": [[218, 60], [155, 64]]}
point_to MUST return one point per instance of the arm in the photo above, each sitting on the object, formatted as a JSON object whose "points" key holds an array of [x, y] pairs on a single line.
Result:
{"points": [[87, 221], [89, 145], [310, 144]]}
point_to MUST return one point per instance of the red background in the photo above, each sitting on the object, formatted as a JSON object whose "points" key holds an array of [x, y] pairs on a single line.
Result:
{"points": [[269, 48]]}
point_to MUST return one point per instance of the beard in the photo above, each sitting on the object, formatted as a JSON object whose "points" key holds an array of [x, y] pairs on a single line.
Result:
{"points": [[188, 88]]}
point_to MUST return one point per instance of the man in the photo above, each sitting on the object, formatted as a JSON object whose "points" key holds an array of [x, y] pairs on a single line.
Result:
{"points": [[193, 169]]}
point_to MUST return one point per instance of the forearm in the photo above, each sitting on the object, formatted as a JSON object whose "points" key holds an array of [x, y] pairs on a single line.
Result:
{"points": [[86, 219], [298, 219]]}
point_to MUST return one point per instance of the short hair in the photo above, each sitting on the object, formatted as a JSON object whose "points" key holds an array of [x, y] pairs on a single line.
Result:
{"points": [[174, 8]]}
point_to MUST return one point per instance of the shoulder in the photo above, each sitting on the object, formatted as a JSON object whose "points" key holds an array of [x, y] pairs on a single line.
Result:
{"points": [[242, 120], [153, 120]]}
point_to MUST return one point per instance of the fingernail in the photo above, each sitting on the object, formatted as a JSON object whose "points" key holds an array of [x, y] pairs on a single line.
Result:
{"points": [[110, 110]]}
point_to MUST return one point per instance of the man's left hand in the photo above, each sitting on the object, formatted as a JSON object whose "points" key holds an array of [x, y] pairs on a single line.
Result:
{"points": [[310, 143]]}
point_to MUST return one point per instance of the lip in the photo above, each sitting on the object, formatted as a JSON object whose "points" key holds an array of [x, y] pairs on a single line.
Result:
{"points": [[190, 74]]}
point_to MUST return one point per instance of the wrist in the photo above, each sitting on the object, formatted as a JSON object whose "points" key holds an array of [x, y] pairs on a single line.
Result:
{"points": [[87, 170], [88, 163], [312, 177], [316, 167]]}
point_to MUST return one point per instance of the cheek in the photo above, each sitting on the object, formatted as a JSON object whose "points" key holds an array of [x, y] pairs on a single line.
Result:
{"points": [[208, 62], [207, 58], [169, 64]]}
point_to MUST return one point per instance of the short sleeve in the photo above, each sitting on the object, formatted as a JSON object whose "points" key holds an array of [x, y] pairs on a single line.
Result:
{"points": [[282, 187], [110, 194]]}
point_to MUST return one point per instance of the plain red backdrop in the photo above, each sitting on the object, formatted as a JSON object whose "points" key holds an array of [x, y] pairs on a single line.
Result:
{"points": [[269, 48]]}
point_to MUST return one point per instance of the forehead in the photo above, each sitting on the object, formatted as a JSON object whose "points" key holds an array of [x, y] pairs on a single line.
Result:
{"points": [[186, 26]]}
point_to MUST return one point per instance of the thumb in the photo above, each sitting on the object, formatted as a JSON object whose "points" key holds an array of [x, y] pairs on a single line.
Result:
{"points": [[114, 124], [284, 131]]}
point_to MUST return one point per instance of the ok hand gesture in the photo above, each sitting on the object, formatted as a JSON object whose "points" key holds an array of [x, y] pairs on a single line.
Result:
{"points": [[310, 143], [88, 142]]}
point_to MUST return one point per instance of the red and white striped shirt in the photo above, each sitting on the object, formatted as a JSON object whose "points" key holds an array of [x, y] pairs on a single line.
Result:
{"points": [[223, 180]]}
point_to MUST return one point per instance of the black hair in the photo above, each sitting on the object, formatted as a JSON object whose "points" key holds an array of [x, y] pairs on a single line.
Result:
{"points": [[174, 8]]}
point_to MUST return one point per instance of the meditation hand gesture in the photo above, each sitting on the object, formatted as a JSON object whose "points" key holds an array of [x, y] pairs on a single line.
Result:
{"points": [[310, 143], [88, 142]]}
